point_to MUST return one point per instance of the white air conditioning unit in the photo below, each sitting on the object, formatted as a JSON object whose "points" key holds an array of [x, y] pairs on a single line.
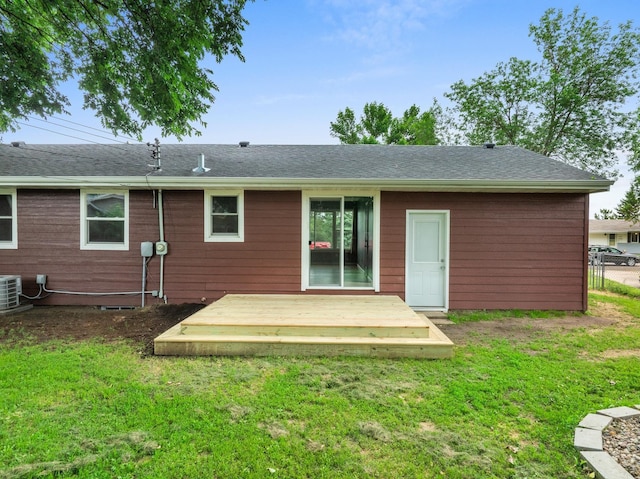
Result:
{"points": [[10, 290]]}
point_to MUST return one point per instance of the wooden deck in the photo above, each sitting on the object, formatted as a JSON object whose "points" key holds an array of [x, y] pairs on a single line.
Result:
{"points": [[305, 325]]}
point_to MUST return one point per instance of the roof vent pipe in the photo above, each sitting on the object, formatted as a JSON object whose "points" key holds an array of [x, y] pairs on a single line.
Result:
{"points": [[201, 168], [18, 144], [244, 144]]}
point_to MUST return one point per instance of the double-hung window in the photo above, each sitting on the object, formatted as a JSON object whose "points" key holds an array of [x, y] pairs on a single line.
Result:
{"points": [[104, 220], [8, 220], [224, 216]]}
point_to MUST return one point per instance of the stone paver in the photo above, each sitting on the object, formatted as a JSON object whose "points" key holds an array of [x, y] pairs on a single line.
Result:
{"points": [[587, 439], [595, 421], [620, 412], [604, 465]]}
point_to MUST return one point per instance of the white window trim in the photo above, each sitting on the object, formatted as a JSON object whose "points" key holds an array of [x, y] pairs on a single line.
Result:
{"points": [[218, 237], [305, 252], [13, 244], [84, 233]]}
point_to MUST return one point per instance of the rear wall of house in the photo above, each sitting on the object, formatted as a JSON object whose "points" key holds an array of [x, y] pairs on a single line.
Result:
{"points": [[268, 261], [49, 243], [522, 251]]}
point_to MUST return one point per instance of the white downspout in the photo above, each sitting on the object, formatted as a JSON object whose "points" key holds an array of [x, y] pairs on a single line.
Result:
{"points": [[161, 233]]}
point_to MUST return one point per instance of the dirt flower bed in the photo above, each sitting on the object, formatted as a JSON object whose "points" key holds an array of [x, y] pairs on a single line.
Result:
{"points": [[141, 325]]}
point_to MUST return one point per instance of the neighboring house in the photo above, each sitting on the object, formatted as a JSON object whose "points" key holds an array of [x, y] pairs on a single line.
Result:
{"points": [[619, 233], [443, 227]]}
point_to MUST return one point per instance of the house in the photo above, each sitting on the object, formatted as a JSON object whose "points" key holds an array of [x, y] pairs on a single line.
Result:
{"points": [[622, 234], [443, 227]]}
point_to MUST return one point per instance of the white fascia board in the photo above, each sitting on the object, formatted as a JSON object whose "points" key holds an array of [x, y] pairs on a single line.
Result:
{"points": [[199, 183]]}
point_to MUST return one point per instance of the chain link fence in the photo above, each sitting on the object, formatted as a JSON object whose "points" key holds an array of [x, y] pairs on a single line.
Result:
{"points": [[601, 270]]}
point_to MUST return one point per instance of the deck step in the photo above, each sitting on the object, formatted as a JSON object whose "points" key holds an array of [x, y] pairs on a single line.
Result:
{"points": [[300, 330], [300, 339], [243, 345], [301, 325]]}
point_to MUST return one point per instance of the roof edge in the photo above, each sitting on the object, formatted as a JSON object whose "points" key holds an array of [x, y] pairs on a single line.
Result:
{"points": [[156, 182]]}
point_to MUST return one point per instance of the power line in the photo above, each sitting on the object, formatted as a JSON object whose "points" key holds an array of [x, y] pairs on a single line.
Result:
{"points": [[79, 138], [74, 129], [58, 133], [91, 128], [117, 147], [71, 155]]}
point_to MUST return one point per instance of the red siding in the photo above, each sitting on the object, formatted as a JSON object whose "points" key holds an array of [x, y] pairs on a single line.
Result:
{"points": [[268, 261], [49, 243], [523, 251]]}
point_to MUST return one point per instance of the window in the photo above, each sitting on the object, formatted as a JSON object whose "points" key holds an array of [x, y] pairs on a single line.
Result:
{"points": [[104, 220], [8, 220], [224, 216]]}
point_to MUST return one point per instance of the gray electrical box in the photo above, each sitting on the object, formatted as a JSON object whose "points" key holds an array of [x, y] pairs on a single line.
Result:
{"points": [[146, 249]]}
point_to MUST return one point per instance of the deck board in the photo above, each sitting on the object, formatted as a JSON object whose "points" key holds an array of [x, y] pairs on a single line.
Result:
{"points": [[314, 310], [380, 326]]}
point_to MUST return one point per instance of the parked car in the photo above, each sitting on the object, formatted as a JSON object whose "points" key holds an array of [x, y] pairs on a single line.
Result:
{"points": [[612, 255]]}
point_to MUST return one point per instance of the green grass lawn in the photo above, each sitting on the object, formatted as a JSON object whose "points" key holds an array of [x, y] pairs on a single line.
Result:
{"points": [[498, 409]]}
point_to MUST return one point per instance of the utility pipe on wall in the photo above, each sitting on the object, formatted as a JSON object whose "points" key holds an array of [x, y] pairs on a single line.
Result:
{"points": [[161, 233], [144, 278]]}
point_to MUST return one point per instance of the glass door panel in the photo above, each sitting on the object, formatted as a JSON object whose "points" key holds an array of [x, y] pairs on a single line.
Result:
{"points": [[358, 258], [341, 242], [325, 242]]}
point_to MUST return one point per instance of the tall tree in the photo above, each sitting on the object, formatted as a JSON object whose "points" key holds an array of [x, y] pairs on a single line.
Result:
{"points": [[377, 125], [605, 214], [376, 122], [346, 128], [414, 128], [629, 207], [570, 104], [138, 63]]}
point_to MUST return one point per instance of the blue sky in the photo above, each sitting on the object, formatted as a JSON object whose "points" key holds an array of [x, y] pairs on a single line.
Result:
{"points": [[308, 59]]}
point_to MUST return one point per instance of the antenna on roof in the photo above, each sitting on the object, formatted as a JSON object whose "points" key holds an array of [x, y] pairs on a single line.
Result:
{"points": [[155, 154]]}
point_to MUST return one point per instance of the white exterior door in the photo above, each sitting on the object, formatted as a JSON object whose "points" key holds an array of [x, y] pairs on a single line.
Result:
{"points": [[427, 260]]}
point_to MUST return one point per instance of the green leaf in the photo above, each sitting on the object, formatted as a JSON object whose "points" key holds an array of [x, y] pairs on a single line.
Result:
{"points": [[570, 104], [138, 64]]}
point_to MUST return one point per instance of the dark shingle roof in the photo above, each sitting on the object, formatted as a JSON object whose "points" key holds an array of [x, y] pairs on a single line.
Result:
{"points": [[377, 163]]}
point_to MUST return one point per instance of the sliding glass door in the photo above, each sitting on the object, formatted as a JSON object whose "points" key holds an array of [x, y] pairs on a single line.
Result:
{"points": [[341, 242]]}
